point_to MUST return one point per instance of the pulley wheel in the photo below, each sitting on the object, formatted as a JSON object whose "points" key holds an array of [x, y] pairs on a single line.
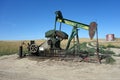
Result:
{"points": [[33, 48]]}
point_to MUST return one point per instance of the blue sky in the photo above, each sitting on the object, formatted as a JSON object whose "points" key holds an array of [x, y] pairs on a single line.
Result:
{"points": [[30, 19]]}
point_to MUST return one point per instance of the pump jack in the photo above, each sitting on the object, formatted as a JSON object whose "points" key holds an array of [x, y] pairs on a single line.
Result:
{"points": [[92, 28], [76, 26], [56, 36]]}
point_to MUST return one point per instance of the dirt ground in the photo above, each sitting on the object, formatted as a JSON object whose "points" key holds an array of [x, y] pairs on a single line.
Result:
{"points": [[33, 68]]}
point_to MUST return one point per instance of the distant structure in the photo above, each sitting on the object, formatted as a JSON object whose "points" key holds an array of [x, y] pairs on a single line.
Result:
{"points": [[110, 37]]}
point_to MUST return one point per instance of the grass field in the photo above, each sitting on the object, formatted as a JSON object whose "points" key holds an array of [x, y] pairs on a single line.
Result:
{"points": [[11, 47], [8, 47]]}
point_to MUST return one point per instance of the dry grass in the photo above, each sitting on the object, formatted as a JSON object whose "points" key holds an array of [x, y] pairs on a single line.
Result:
{"points": [[8, 47], [106, 43], [103, 42], [11, 47]]}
